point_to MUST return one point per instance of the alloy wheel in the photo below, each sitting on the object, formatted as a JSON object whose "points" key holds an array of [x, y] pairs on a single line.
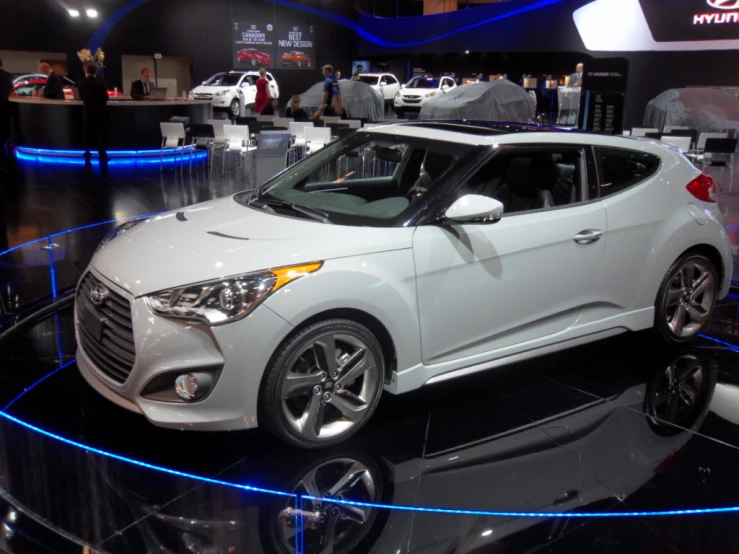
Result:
{"points": [[678, 390], [235, 108], [331, 387], [689, 298]]}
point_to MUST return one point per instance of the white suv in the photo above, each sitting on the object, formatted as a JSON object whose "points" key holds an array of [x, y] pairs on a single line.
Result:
{"points": [[223, 90], [420, 90], [386, 83]]}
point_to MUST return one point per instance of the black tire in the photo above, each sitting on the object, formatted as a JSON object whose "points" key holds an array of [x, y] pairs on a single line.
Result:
{"points": [[235, 108], [661, 315], [271, 408]]}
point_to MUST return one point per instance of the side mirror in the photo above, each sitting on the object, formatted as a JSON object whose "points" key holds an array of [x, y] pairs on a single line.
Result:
{"points": [[383, 84], [402, 86], [474, 208], [445, 88], [204, 82]]}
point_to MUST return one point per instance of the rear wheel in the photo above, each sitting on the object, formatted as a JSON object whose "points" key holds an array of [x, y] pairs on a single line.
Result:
{"points": [[323, 384], [300, 64], [686, 298], [253, 62]]}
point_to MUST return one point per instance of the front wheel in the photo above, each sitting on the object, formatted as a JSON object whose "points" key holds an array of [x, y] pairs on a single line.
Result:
{"points": [[253, 62], [686, 298], [300, 64], [235, 108], [323, 384]]}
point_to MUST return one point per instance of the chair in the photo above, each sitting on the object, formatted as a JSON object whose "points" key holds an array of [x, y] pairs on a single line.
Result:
{"points": [[265, 118], [173, 138], [656, 135], [642, 131], [703, 137], [520, 191], [330, 119], [316, 138], [255, 127], [719, 152], [627, 133], [218, 125], [297, 132], [670, 129], [203, 137], [353, 123], [683, 143], [237, 142]]}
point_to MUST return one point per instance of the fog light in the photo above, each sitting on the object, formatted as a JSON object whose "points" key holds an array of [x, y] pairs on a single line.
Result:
{"points": [[186, 386]]}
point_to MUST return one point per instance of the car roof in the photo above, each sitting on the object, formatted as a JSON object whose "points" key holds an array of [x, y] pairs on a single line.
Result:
{"points": [[29, 76], [482, 133], [234, 72]]}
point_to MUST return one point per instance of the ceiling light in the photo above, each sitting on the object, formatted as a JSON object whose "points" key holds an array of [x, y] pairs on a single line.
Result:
{"points": [[74, 13], [91, 13], [466, 51]]}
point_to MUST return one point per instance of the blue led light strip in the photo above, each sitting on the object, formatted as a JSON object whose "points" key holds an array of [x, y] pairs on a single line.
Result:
{"points": [[732, 228], [734, 347], [140, 463], [34, 385], [546, 515], [60, 233], [112, 162], [188, 150], [366, 35]]}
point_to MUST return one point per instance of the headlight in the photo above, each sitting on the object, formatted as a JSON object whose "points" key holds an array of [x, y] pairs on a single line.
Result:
{"points": [[431, 93], [118, 231], [223, 92], [397, 94], [226, 300]]}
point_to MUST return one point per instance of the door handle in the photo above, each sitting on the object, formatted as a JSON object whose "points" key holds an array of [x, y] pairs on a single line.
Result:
{"points": [[588, 236]]}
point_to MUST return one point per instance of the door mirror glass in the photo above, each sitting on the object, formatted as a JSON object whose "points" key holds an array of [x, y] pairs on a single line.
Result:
{"points": [[474, 208], [445, 88], [383, 83]]}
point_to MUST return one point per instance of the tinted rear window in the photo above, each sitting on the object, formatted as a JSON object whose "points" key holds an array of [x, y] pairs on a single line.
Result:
{"points": [[620, 169]]}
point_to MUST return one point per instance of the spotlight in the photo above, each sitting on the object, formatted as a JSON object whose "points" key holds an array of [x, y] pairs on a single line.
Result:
{"points": [[74, 13], [91, 13], [466, 51]]}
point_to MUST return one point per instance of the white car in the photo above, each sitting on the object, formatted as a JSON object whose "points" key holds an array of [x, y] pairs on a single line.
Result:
{"points": [[386, 83], [223, 90], [420, 90], [400, 256]]}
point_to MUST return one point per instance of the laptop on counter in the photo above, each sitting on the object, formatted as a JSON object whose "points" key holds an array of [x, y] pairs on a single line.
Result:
{"points": [[159, 93]]}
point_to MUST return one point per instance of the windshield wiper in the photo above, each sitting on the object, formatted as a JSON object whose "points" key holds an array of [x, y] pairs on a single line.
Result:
{"points": [[268, 203]]}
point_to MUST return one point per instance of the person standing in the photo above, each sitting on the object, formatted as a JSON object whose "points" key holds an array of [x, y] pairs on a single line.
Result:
{"points": [[262, 98], [6, 90], [94, 95], [141, 89], [330, 89], [576, 78], [336, 109], [54, 88], [270, 108]]}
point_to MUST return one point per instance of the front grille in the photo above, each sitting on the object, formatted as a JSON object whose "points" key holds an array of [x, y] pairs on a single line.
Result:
{"points": [[113, 353], [412, 101], [200, 96], [411, 97]]}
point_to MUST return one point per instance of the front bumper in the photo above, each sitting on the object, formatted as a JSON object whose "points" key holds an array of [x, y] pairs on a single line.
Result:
{"points": [[243, 349], [403, 104]]}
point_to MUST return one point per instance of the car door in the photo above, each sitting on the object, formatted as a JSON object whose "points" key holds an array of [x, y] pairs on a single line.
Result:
{"points": [[449, 83], [485, 287]]}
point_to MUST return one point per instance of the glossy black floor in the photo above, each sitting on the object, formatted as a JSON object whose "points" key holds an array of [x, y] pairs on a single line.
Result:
{"points": [[623, 426]]}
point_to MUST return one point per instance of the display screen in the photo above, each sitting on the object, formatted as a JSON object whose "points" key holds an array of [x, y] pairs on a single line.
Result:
{"points": [[692, 20], [253, 44], [295, 48]]}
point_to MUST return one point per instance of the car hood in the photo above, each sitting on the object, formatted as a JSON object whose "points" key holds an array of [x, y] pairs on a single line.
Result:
{"points": [[210, 90], [222, 238]]}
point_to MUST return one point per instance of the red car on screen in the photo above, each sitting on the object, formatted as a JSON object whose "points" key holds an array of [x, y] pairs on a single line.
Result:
{"points": [[30, 85], [295, 58], [254, 56]]}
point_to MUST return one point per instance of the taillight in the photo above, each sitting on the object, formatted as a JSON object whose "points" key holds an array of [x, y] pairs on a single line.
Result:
{"points": [[702, 188]]}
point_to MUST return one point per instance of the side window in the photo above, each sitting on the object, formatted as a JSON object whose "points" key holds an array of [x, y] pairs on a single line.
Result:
{"points": [[620, 169], [448, 82], [531, 179], [392, 80]]}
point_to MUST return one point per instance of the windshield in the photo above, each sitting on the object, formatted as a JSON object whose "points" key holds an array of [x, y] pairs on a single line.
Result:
{"points": [[366, 179], [369, 79], [423, 82], [224, 80]]}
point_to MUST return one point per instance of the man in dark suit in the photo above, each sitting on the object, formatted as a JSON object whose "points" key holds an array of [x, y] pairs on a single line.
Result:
{"points": [[6, 89], [141, 89], [94, 95], [54, 88], [576, 77]]}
